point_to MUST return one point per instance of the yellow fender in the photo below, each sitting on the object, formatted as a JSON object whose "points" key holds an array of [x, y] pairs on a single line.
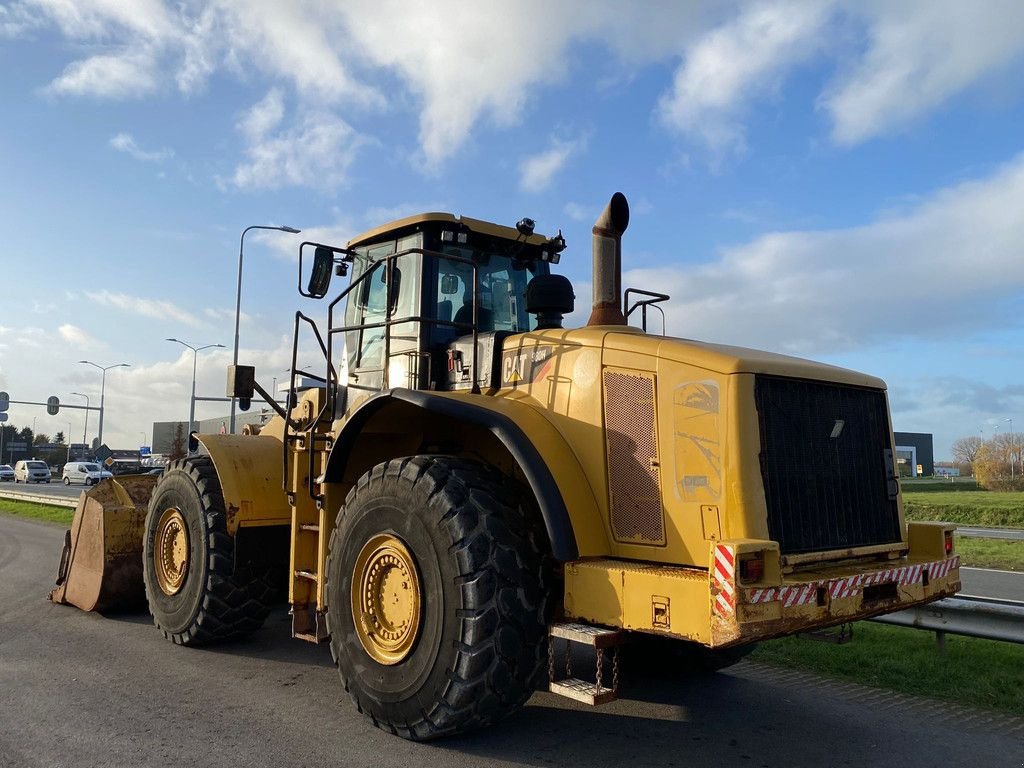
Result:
{"points": [[249, 469], [554, 474]]}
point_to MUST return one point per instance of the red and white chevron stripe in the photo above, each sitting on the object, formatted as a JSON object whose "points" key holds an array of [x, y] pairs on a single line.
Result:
{"points": [[725, 579], [850, 586]]}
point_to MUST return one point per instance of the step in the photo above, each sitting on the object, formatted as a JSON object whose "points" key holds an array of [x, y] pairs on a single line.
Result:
{"points": [[601, 639], [308, 575], [583, 691], [588, 634], [311, 527]]}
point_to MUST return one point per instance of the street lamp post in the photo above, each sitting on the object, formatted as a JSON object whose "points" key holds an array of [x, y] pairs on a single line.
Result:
{"points": [[103, 387], [238, 299], [85, 427], [195, 357]]}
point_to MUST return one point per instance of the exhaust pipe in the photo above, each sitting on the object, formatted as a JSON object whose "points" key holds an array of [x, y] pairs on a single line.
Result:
{"points": [[608, 231]]}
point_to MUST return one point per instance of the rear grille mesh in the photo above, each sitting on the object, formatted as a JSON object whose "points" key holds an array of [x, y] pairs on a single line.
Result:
{"points": [[633, 479], [824, 449]]}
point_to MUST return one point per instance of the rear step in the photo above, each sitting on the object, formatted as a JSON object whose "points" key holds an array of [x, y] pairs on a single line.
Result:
{"points": [[598, 638]]}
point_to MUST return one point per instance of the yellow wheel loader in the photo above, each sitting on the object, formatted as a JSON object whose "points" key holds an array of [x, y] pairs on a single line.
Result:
{"points": [[469, 487]]}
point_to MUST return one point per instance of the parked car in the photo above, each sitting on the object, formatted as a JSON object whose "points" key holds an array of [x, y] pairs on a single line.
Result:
{"points": [[31, 471], [157, 471], [87, 472], [6, 473]]}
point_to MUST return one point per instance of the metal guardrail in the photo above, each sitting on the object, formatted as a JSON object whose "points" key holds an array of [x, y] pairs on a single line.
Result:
{"points": [[57, 501], [973, 531], [987, 617]]}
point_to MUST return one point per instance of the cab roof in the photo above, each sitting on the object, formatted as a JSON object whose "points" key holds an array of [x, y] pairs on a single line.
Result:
{"points": [[411, 223]]}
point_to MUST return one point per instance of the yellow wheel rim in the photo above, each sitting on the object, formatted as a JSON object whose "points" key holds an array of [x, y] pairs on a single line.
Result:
{"points": [[386, 599], [171, 551]]}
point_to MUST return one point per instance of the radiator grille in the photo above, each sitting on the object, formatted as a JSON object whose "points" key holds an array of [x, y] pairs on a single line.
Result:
{"points": [[824, 454], [633, 481]]}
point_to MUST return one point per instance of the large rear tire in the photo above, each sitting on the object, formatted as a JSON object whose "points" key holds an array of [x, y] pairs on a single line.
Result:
{"points": [[438, 596], [195, 593]]}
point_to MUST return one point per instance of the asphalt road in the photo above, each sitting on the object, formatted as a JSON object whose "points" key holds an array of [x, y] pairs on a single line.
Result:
{"points": [[982, 582], [81, 690]]}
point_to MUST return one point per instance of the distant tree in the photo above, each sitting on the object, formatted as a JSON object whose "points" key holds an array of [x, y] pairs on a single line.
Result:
{"points": [[178, 443], [59, 438], [41, 439], [993, 467], [965, 449]]}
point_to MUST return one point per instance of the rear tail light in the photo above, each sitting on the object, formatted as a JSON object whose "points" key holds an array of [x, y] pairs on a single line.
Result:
{"points": [[751, 567], [949, 543]]}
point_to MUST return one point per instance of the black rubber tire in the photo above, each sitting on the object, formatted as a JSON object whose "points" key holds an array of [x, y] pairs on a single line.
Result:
{"points": [[216, 602], [651, 656], [67, 481], [481, 555]]}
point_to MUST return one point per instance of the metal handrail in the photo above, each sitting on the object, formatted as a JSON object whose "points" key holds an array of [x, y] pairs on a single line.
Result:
{"points": [[653, 301]]}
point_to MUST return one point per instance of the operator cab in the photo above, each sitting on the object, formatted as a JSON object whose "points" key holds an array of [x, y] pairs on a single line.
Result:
{"points": [[422, 289]]}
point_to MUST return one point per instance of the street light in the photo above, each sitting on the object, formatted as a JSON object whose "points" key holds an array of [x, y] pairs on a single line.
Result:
{"points": [[85, 427], [195, 356], [103, 387], [238, 299]]}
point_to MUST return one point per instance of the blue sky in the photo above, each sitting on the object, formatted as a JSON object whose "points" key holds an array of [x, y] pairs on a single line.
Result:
{"points": [[837, 180]]}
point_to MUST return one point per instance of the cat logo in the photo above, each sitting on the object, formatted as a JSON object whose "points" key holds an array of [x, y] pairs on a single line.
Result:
{"points": [[837, 428], [519, 365]]}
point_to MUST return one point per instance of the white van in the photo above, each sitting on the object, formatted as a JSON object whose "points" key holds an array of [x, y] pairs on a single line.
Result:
{"points": [[31, 471], [88, 472]]}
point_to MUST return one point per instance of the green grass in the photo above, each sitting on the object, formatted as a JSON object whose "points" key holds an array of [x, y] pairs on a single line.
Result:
{"points": [[977, 673], [985, 508], [30, 509], [991, 553], [931, 485]]}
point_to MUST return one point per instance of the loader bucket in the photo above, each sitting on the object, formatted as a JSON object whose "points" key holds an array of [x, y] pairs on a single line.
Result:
{"points": [[101, 565]]}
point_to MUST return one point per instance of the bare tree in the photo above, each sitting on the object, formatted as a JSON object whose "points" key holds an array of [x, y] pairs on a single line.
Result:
{"points": [[965, 451]]}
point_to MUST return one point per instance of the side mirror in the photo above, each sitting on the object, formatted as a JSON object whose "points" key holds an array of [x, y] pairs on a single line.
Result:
{"points": [[323, 269]]}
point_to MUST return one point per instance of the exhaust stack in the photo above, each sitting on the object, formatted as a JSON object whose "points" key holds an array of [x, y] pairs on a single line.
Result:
{"points": [[608, 231]]}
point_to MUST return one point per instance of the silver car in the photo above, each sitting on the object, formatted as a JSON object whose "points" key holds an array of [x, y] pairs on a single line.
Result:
{"points": [[6, 473], [87, 472]]}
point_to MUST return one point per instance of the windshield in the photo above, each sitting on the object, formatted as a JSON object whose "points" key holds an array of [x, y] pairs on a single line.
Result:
{"points": [[36, 465], [502, 282], [91, 467]]}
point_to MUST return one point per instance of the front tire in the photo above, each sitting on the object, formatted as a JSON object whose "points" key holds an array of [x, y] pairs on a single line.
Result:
{"points": [[195, 593], [444, 561], [67, 481]]}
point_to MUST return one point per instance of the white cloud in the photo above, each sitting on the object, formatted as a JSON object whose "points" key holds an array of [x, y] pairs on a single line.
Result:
{"points": [[578, 212], [537, 171], [919, 55], [315, 152], [126, 75], [17, 20], [463, 66], [100, 19], [834, 290], [125, 142], [156, 308], [738, 62], [75, 335]]}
